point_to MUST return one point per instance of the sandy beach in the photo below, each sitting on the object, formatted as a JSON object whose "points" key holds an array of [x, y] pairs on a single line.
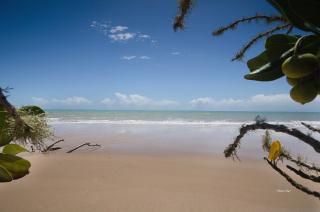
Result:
{"points": [[133, 182]]}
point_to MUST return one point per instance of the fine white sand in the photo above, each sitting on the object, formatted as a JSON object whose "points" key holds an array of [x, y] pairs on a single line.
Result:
{"points": [[145, 183]]}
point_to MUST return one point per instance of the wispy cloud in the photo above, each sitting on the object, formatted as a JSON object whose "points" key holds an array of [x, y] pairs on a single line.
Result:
{"points": [[120, 33], [260, 102], [144, 36], [121, 36], [144, 57], [131, 57], [75, 100], [175, 53], [137, 101], [116, 29]]}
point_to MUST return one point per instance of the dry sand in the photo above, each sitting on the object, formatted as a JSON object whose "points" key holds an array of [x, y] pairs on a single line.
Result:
{"points": [[142, 183]]}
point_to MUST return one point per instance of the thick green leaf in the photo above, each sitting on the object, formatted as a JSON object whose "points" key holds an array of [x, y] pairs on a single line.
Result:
{"points": [[275, 46], [307, 10], [270, 71], [281, 41], [284, 8], [265, 73], [32, 110], [269, 55], [17, 166], [5, 138], [306, 44], [13, 149], [5, 175], [258, 61]]}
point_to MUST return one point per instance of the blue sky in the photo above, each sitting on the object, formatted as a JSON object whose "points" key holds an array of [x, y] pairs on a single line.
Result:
{"points": [[124, 55]]}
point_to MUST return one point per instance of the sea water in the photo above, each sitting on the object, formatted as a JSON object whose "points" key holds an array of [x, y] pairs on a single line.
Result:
{"points": [[177, 131]]}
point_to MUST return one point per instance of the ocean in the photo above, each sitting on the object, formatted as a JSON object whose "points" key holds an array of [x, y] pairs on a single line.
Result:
{"points": [[176, 132], [177, 117]]}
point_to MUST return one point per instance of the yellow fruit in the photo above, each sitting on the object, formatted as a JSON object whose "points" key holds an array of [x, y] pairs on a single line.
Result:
{"points": [[304, 92], [300, 66], [275, 150], [292, 81]]}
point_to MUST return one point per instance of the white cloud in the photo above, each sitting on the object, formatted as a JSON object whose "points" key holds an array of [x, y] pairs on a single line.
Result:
{"points": [[107, 101], [144, 57], [75, 100], [175, 53], [131, 57], [40, 101], [121, 36], [137, 101], [262, 102], [118, 29], [259, 102], [144, 36], [128, 57], [119, 33]]}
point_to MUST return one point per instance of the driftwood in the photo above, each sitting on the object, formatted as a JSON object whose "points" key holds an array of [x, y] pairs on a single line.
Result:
{"points": [[51, 147], [85, 144], [293, 182]]}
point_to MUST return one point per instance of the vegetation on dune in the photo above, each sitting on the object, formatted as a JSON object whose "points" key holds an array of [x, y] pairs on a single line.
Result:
{"points": [[26, 125], [296, 57]]}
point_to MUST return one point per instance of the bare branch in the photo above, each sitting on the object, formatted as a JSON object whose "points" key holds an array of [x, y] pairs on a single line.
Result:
{"points": [[258, 17], [51, 147], [184, 8], [292, 181], [232, 148], [310, 127], [304, 175], [302, 164], [85, 144], [261, 35]]}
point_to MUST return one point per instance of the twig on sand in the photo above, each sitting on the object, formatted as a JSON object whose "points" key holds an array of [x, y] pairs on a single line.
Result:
{"points": [[51, 147], [85, 144]]}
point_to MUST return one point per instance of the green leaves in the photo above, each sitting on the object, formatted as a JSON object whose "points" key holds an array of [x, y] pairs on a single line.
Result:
{"points": [[13, 149], [5, 175], [16, 166], [11, 166], [301, 14], [265, 67], [31, 110], [281, 42], [5, 136]]}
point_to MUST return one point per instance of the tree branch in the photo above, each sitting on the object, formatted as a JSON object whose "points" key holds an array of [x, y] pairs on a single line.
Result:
{"points": [[232, 148], [12, 111], [310, 127], [257, 17], [184, 8], [292, 181], [304, 175], [261, 35]]}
